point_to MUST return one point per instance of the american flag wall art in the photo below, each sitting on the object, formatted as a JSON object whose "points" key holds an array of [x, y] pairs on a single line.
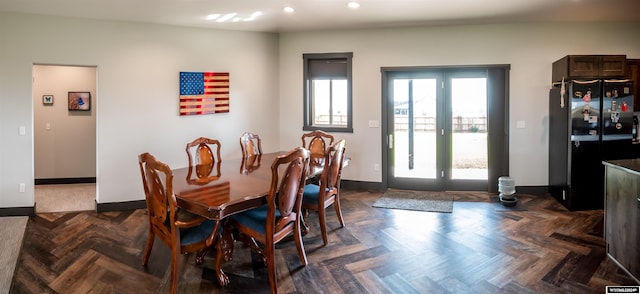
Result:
{"points": [[204, 93]]}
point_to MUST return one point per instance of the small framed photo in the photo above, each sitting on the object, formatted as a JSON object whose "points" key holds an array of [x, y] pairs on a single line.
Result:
{"points": [[47, 99], [80, 101]]}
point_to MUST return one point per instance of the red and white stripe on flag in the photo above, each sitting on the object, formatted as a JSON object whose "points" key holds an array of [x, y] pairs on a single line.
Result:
{"points": [[204, 93]]}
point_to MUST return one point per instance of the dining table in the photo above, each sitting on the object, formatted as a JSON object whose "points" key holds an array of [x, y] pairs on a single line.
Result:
{"points": [[225, 188]]}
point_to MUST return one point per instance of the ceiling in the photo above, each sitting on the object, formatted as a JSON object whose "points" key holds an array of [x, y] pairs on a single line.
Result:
{"points": [[313, 15]]}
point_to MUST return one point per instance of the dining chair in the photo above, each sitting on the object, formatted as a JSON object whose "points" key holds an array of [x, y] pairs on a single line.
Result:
{"points": [[317, 145], [251, 144], [317, 197], [199, 152], [181, 235], [280, 216]]}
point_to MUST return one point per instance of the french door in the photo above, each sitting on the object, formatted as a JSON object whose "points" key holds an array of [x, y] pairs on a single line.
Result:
{"points": [[436, 124]]}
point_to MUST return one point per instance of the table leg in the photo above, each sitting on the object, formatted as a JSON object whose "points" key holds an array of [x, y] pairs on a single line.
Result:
{"points": [[224, 248]]}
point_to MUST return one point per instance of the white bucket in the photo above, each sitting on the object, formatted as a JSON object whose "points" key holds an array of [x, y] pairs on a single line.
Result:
{"points": [[506, 186]]}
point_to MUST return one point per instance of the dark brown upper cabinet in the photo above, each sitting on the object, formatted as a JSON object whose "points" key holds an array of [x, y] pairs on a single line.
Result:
{"points": [[589, 66]]}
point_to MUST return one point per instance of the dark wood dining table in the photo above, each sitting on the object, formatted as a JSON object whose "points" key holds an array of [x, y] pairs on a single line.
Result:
{"points": [[229, 187]]}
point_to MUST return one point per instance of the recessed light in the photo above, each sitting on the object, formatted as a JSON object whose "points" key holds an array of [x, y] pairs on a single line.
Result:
{"points": [[289, 9], [213, 16], [226, 17], [353, 4]]}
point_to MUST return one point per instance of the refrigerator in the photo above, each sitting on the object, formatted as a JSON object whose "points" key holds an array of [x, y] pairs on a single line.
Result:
{"points": [[589, 121]]}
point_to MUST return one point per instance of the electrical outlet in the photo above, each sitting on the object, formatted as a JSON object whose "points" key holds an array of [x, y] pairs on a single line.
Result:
{"points": [[22, 187], [376, 167]]}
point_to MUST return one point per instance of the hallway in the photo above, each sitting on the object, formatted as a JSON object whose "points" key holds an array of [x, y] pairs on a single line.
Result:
{"points": [[65, 198]]}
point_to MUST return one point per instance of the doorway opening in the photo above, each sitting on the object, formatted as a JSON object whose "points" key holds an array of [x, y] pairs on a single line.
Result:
{"points": [[64, 128]]}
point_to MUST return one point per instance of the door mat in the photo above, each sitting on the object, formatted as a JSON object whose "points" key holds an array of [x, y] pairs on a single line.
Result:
{"points": [[416, 200]]}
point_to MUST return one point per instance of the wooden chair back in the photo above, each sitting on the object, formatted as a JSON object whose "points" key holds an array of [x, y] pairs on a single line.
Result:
{"points": [[285, 193], [332, 172], [251, 144], [157, 180], [317, 145], [204, 152]]}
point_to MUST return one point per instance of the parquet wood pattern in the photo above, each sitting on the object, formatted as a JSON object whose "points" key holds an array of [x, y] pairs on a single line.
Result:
{"points": [[481, 247]]}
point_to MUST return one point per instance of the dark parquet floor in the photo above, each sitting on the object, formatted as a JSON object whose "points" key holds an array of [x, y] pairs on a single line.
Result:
{"points": [[481, 247]]}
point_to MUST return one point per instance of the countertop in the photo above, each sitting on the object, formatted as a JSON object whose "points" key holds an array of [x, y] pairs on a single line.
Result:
{"points": [[633, 165]]}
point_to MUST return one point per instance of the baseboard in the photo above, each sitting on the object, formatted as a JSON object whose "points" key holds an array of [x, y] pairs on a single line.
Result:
{"points": [[533, 190], [359, 185], [141, 204], [64, 181], [120, 206], [18, 211]]}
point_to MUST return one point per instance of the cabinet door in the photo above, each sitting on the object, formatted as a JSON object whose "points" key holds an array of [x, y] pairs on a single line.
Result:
{"points": [[584, 66], [613, 66], [621, 218]]}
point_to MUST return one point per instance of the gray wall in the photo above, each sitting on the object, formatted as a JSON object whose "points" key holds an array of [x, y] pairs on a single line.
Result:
{"points": [[64, 141]]}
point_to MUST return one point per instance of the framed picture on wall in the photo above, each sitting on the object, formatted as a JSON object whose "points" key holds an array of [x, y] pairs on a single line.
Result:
{"points": [[47, 99], [80, 101]]}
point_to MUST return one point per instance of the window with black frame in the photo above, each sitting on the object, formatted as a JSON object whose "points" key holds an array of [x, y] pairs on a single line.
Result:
{"points": [[327, 92]]}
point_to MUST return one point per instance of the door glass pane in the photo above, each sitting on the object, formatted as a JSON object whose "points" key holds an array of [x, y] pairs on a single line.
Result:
{"points": [[469, 128], [414, 128]]}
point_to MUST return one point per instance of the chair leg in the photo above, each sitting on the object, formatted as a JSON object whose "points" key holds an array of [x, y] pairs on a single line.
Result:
{"points": [[271, 267], [336, 205], [253, 244], [323, 224], [297, 231], [147, 250], [175, 263]]}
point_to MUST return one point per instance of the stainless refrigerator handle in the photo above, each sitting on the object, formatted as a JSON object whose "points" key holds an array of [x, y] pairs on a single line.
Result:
{"points": [[585, 82], [617, 81]]}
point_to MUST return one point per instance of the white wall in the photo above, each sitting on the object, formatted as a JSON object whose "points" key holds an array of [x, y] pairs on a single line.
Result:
{"points": [[528, 48], [64, 141], [137, 86]]}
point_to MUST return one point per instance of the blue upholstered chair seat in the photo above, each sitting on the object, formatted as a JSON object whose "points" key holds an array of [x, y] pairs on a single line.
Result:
{"points": [[254, 219], [196, 234], [311, 193]]}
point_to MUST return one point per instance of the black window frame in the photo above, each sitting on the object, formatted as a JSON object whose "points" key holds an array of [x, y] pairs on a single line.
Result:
{"points": [[308, 58]]}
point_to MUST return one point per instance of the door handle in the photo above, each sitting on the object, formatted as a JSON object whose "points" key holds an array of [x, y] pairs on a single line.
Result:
{"points": [[390, 141]]}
